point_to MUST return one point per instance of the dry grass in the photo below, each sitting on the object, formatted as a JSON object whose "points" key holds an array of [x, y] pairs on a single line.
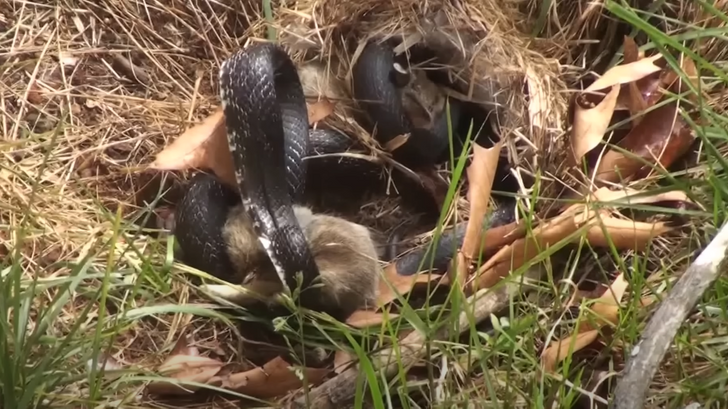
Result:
{"points": [[79, 126], [478, 42]]}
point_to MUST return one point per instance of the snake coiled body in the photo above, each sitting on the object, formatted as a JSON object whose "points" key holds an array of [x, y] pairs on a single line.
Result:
{"points": [[269, 136]]}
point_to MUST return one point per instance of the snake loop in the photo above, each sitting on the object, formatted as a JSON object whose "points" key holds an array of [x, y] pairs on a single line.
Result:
{"points": [[266, 118]]}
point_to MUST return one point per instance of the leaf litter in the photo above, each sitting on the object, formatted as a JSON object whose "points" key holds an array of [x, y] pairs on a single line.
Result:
{"points": [[659, 136], [185, 364]]}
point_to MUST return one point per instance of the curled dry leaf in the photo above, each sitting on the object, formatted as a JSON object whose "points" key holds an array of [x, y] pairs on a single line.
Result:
{"points": [[624, 233], [275, 378], [517, 253], [641, 94], [481, 173], [400, 284], [184, 365], [626, 73], [204, 146], [631, 51], [367, 318], [500, 236], [601, 230], [660, 138], [342, 361], [592, 113], [595, 106], [628, 196], [605, 310]]}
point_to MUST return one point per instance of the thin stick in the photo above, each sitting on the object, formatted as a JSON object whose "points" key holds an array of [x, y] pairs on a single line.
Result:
{"points": [[339, 391], [649, 351]]}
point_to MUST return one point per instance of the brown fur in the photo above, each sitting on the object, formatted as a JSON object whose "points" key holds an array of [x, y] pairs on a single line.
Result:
{"points": [[343, 251]]}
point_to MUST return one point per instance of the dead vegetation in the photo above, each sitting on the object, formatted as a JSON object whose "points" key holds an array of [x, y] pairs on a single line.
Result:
{"points": [[92, 93]]}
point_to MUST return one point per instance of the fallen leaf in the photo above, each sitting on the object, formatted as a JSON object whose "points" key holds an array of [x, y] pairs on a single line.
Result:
{"points": [[202, 146], [342, 360], [624, 234], [400, 284], [205, 146], [592, 113], [628, 196], [636, 96], [515, 255], [481, 173], [368, 318], [559, 350], [631, 50], [273, 379], [660, 138], [606, 312], [626, 73], [184, 365], [396, 142], [500, 236]]}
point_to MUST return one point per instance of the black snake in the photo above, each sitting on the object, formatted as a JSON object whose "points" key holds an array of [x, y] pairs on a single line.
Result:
{"points": [[269, 136]]}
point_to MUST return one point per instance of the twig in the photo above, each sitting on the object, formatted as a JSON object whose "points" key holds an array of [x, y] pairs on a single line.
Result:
{"points": [[338, 391], [649, 351]]}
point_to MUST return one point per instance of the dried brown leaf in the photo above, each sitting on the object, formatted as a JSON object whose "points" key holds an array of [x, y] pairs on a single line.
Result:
{"points": [[559, 350], [606, 311], [631, 51], [624, 234], [396, 142], [628, 196], [626, 73], [273, 379], [342, 360], [496, 237], [660, 138], [184, 364], [517, 253], [205, 146], [401, 284], [368, 318], [592, 113], [481, 173]]}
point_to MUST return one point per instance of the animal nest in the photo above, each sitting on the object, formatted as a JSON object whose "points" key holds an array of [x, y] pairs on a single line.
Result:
{"points": [[479, 43]]}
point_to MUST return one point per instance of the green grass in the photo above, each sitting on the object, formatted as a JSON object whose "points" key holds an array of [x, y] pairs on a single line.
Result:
{"points": [[120, 296]]}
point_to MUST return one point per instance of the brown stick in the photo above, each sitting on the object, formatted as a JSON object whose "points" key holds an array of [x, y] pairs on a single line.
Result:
{"points": [[339, 391], [659, 332]]}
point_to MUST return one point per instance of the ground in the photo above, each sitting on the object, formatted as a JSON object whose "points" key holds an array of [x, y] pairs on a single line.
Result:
{"points": [[91, 93]]}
